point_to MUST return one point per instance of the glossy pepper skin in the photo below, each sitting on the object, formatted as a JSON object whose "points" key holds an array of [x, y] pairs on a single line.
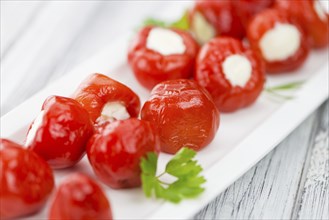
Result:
{"points": [[210, 74], [62, 135], [247, 9], [26, 181], [151, 67], [183, 113], [221, 15], [116, 151], [305, 12], [79, 197], [98, 89], [265, 21]]}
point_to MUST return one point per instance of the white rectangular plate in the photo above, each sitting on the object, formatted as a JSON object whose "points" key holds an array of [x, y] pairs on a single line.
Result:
{"points": [[243, 139]]}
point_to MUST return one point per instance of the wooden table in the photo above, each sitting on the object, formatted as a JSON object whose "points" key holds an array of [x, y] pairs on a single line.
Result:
{"points": [[42, 40]]}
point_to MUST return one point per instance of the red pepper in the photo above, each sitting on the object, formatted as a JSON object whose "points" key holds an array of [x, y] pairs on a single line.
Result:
{"points": [[79, 197], [151, 67], [60, 132], [224, 84], [116, 151], [99, 91], [266, 22], [220, 15], [26, 181], [312, 18], [183, 113], [247, 9]]}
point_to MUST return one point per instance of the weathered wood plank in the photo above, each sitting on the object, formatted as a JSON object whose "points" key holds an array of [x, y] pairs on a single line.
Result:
{"points": [[315, 193], [269, 190]]}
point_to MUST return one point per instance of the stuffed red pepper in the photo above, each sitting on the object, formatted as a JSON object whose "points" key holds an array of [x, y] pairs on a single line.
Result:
{"points": [[233, 74], [106, 99], [279, 40], [60, 132], [247, 9], [115, 152], [183, 113], [311, 16], [209, 19], [158, 54], [26, 181], [79, 197]]}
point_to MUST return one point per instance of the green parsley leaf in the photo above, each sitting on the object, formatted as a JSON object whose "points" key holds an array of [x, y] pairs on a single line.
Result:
{"points": [[148, 184], [149, 165], [154, 22], [183, 167], [182, 23]]}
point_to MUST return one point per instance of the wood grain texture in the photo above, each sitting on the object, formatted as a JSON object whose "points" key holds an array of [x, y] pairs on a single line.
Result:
{"points": [[42, 41], [288, 183], [314, 202]]}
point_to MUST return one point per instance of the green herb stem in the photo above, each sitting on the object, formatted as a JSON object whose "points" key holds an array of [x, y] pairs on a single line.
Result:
{"points": [[274, 90]]}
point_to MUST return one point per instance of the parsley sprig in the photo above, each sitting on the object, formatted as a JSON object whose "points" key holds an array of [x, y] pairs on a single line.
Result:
{"points": [[182, 166], [182, 23]]}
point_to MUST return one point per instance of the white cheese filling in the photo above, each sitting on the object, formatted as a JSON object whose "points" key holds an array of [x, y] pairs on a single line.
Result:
{"points": [[202, 29], [237, 69], [280, 42], [319, 10], [35, 126], [114, 110], [165, 42]]}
